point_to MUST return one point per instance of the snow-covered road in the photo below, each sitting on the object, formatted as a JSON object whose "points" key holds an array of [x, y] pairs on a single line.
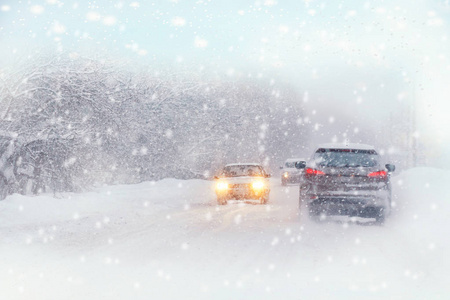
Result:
{"points": [[169, 240]]}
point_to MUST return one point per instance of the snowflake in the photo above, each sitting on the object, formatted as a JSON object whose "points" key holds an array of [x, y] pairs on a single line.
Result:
{"points": [[200, 42], [178, 21], [37, 9]]}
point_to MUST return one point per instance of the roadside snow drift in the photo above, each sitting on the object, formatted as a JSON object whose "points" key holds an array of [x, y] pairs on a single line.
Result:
{"points": [[169, 240]]}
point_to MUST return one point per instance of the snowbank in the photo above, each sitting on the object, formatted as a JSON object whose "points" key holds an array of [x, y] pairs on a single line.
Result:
{"points": [[168, 239]]}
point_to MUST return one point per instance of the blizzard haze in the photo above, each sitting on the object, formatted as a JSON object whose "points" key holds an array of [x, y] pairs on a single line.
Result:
{"points": [[116, 115], [364, 63]]}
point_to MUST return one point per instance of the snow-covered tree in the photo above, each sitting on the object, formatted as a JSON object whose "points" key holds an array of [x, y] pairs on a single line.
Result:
{"points": [[77, 121]]}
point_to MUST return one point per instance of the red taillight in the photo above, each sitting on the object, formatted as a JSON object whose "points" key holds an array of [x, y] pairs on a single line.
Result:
{"points": [[378, 174], [313, 172]]}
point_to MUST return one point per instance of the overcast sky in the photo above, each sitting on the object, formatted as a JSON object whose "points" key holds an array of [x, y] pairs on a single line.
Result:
{"points": [[361, 60]]}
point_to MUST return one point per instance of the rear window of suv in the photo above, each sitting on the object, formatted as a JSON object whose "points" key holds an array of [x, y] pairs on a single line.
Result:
{"points": [[351, 158]]}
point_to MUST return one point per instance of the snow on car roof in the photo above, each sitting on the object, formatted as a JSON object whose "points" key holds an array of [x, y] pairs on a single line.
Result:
{"points": [[294, 159], [243, 164], [346, 146]]}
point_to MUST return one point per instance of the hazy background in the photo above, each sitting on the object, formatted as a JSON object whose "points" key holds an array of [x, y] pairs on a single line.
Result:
{"points": [[365, 71]]}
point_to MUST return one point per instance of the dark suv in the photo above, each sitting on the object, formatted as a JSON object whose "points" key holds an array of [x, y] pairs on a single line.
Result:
{"points": [[347, 180]]}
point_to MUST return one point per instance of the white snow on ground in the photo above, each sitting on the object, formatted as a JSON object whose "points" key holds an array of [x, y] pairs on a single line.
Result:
{"points": [[169, 240]]}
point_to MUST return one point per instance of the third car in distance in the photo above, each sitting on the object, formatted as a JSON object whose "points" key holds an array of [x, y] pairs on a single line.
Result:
{"points": [[292, 170]]}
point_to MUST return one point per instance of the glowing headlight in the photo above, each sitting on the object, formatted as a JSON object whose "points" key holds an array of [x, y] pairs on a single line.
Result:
{"points": [[257, 185], [222, 185], [286, 175]]}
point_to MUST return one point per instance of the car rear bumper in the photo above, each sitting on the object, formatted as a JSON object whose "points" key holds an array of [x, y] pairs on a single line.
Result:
{"points": [[344, 203], [363, 204], [355, 193]]}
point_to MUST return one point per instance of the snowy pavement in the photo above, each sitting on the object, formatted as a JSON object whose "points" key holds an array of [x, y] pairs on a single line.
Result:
{"points": [[169, 240]]}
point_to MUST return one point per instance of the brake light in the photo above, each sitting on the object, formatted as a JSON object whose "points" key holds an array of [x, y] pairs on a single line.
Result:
{"points": [[378, 174], [313, 172]]}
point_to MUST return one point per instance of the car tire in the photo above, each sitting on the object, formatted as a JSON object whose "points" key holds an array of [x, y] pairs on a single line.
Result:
{"points": [[380, 216], [314, 213], [301, 195], [222, 201], [300, 200], [390, 200], [314, 216], [264, 200]]}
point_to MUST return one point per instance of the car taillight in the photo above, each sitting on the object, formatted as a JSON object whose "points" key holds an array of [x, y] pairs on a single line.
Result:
{"points": [[378, 174], [313, 172]]}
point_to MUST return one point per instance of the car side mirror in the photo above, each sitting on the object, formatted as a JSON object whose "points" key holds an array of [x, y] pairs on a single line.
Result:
{"points": [[268, 175], [390, 167], [216, 177], [300, 164]]}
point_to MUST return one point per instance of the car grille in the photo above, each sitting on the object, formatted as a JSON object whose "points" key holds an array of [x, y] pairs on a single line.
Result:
{"points": [[240, 186]]}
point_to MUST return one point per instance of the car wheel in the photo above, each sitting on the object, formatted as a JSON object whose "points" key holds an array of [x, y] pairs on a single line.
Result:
{"points": [[222, 200], [300, 200], [380, 216], [390, 200], [314, 213], [302, 195], [264, 200], [314, 216]]}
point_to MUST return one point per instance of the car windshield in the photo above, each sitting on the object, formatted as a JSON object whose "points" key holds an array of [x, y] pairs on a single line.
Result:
{"points": [[242, 170], [290, 164], [345, 158]]}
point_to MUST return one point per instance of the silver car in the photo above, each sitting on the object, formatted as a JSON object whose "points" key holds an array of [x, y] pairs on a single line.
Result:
{"points": [[292, 170]]}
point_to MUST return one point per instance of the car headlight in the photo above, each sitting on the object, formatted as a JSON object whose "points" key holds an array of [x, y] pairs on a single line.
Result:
{"points": [[222, 185], [286, 175], [258, 185]]}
